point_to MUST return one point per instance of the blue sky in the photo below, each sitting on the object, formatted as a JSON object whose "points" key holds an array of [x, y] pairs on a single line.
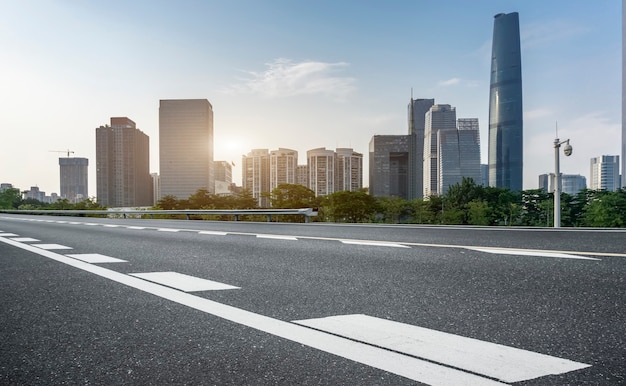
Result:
{"points": [[297, 74]]}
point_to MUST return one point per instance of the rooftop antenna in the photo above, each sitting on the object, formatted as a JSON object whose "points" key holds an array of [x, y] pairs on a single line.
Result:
{"points": [[557, 128], [68, 151], [411, 93]]}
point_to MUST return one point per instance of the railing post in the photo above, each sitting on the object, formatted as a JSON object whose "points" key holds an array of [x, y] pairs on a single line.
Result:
{"points": [[236, 217], [269, 218]]}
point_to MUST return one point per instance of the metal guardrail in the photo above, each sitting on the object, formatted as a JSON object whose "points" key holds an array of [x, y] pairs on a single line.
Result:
{"points": [[306, 212]]}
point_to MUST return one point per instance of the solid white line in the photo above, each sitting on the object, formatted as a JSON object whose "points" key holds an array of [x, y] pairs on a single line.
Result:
{"points": [[8, 235], [183, 282], [403, 365], [276, 237], [216, 233], [507, 364], [51, 246], [374, 243], [96, 258], [530, 252]]}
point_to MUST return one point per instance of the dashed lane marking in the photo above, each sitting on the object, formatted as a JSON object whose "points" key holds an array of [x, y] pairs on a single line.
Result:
{"points": [[168, 230], [504, 363], [216, 233], [51, 246], [530, 252], [183, 282], [25, 239], [276, 237], [374, 243], [95, 258]]}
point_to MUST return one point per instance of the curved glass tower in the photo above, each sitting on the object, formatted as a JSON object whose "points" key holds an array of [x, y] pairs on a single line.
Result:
{"points": [[505, 105]]}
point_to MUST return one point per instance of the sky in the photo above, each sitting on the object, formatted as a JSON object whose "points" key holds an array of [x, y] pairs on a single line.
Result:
{"points": [[297, 75]]}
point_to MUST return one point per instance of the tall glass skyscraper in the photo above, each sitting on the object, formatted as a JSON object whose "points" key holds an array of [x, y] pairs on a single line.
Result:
{"points": [[505, 105], [417, 111]]}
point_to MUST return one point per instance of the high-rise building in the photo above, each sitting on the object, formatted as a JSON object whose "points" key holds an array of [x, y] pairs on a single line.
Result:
{"points": [[438, 117], [623, 93], [74, 176], [484, 175], [302, 175], [321, 164], [156, 187], [223, 171], [458, 154], [604, 173], [389, 165], [505, 105], [256, 174], [283, 166], [570, 183], [123, 165], [186, 147], [348, 170], [417, 124]]}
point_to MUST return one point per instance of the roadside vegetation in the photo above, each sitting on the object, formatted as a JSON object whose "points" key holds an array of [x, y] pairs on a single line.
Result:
{"points": [[464, 204]]}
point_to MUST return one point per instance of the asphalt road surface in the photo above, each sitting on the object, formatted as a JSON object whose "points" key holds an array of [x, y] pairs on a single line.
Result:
{"points": [[115, 301]]}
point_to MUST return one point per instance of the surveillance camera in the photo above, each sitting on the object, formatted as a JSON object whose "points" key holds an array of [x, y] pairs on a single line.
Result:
{"points": [[567, 150]]}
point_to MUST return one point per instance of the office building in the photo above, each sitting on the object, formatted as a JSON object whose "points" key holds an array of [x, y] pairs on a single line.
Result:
{"points": [[186, 147], [321, 163], [458, 154], [604, 173], [123, 165], [389, 165], [505, 105], [223, 171], [348, 170], [302, 175], [256, 175], [74, 184], [438, 117], [484, 175], [623, 93], [570, 183], [283, 167], [417, 123], [156, 187]]}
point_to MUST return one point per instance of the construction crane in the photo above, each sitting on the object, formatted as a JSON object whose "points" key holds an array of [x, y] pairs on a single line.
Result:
{"points": [[68, 151]]}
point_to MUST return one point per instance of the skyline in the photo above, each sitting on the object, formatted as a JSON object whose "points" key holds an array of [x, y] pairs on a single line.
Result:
{"points": [[298, 76]]}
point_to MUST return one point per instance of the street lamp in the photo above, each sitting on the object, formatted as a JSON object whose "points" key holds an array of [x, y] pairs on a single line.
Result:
{"points": [[567, 150]]}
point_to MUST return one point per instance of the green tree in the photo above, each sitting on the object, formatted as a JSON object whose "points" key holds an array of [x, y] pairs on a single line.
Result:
{"points": [[10, 198], [478, 213], [292, 196], [393, 209], [607, 209], [167, 202], [347, 206], [421, 212]]}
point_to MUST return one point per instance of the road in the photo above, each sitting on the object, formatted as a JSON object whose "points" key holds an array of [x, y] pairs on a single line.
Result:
{"points": [[129, 301]]}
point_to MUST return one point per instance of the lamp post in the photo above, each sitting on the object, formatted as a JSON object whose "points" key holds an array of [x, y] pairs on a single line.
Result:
{"points": [[567, 150]]}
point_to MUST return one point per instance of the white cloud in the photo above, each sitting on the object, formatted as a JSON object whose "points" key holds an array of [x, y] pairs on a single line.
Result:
{"points": [[540, 34], [537, 114], [285, 78], [449, 82]]}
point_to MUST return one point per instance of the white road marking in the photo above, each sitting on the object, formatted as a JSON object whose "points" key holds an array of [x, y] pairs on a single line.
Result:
{"points": [[213, 233], [135, 227], [183, 282], [168, 230], [396, 363], [530, 252], [25, 239], [96, 258], [504, 363], [374, 243], [51, 246], [111, 226], [276, 237], [8, 235]]}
